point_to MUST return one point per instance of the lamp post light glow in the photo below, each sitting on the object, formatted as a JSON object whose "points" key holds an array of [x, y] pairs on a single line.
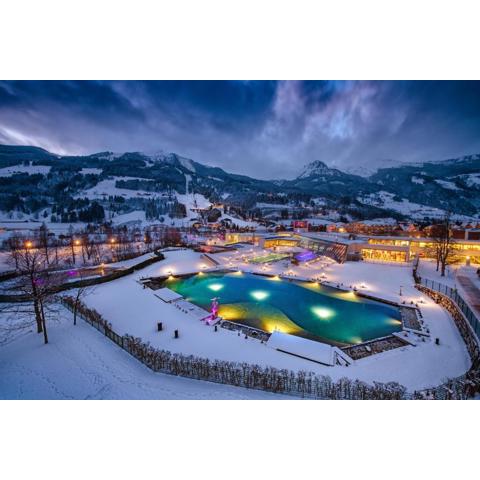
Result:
{"points": [[28, 244]]}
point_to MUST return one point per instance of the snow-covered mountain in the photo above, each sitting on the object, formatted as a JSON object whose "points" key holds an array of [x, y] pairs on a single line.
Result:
{"points": [[318, 169], [365, 169], [319, 179], [453, 184], [448, 185]]}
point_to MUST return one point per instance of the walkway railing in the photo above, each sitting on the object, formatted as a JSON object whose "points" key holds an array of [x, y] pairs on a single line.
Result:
{"points": [[453, 294]]}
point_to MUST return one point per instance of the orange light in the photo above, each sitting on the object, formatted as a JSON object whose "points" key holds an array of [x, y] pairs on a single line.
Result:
{"points": [[77, 242], [112, 240], [28, 244]]}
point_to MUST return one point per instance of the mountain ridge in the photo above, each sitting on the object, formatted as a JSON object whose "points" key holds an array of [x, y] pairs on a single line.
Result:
{"points": [[452, 184]]}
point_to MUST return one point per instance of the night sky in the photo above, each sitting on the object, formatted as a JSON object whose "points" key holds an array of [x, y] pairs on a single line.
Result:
{"points": [[263, 129]]}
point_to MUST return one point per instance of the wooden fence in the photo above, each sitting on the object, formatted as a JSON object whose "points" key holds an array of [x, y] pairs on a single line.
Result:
{"points": [[301, 384]]}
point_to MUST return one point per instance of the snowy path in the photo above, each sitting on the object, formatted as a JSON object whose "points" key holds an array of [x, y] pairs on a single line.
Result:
{"points": [[461, 277], [471, 291], [80, 363]]}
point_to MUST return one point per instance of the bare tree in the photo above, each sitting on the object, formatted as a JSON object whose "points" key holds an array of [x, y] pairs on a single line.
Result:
{"points": [[15, 243], [15, 318], [79, 295], [72, 242], [441, 234], [36, 282], [43, 240]]}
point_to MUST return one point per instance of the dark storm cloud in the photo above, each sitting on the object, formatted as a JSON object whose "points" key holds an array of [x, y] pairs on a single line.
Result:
{"points": [[265, 129]]}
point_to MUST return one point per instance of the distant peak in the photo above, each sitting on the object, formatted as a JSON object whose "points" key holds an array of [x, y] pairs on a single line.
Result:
{"points": [[317, 167]]}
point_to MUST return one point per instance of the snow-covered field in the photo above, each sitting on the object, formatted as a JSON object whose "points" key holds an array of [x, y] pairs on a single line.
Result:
{"points": [[80, 363], [134, 310], [384, 199], [453, 275], [427, 269], [471, 179], [447, 185], [30, 169], [91, 171], [5, 262], [413, 210], [105, 188]]}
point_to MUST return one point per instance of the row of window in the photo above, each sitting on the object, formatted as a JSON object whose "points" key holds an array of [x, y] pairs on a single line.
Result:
{"points": [[416, 244], [383, 255]]}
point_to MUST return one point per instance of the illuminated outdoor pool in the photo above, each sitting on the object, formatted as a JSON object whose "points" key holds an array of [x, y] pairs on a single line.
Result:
{"points": [[300, 308]]}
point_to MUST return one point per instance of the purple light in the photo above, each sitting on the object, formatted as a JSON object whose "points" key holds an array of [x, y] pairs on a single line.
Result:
{"points": [[213, 311], [305, 256]]}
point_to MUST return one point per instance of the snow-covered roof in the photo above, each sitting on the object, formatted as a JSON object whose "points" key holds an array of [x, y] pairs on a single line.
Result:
{"points": [[302, 347], [167, 295]]}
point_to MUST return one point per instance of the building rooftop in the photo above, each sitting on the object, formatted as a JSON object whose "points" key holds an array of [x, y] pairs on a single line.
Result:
{"points": [[332, 237]]}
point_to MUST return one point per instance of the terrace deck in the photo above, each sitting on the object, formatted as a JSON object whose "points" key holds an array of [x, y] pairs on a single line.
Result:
{"points": [[271, 257]]}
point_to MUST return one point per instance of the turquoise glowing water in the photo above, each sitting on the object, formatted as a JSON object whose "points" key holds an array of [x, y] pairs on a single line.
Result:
{"points": [[300, 308]]}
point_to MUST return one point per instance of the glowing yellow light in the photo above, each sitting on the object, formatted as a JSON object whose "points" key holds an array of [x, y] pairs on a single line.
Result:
{"points": [[356, 340], [322, 312], [28, 244], [112, 240], [170, 277], [77, 242], [259, 294], [215, 287], [393, 321]]}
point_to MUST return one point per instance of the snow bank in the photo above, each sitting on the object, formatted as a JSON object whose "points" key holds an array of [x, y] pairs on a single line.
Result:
{"points": [[80, 363]]}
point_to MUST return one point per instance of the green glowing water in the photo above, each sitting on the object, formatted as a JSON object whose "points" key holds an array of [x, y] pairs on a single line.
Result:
{"points": [[300, 308]]}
